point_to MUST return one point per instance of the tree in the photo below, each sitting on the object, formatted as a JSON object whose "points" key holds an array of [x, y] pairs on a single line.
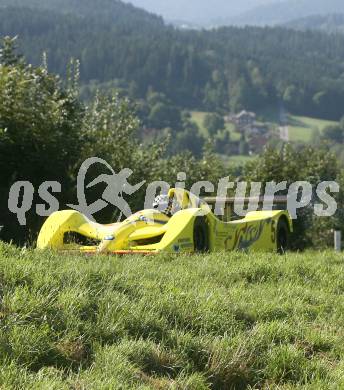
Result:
{"points": [[215, 94], [240, 95], [214, 123], [334, 134], [292, 164], [117, 42], [292, 97], [243, 146], [46, 132], [165, 115], [189, 140], [8, 52], [40, 121]]}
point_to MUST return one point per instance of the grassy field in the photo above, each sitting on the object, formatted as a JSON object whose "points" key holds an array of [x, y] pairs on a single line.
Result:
{"points": [[236, 160], [198, 118], [223, 321], [303, 129]]}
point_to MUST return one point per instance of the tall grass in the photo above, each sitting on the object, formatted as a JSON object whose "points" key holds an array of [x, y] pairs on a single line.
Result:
{"points": [[219, 321]]}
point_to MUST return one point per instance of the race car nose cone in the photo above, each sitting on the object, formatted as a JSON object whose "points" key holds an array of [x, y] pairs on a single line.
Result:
{"points": [[105, 243]]}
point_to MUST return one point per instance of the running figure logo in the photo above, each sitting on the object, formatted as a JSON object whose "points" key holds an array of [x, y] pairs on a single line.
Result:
{"points": [[117, 186]]}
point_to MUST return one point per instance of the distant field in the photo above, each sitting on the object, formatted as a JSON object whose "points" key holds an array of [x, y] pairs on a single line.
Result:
{"points": [[221, 321], [303, 128], [198, 118], [236, 160], [241, 159]]}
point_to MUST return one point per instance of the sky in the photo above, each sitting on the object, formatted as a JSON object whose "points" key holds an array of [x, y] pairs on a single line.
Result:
{"points": [[198, 11]]}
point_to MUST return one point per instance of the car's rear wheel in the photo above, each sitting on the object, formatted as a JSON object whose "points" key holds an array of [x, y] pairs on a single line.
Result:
{"points": [[283, 236], [201, 235]]}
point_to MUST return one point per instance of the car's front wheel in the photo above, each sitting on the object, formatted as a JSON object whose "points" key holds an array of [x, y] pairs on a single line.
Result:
{"points": [[283, 236], [201, 235]]}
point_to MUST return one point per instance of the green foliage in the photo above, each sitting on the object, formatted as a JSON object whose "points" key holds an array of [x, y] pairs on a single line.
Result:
{"points": [[226, 320], [40, 122], [334, 134], [215, 92], [293, 164], [47, 132], [110, 10], [208, 168], [157, 112], [8, 55], [214, 123], [330, 23], [189, 140], [304, 164], [239, 95], [164, 115], [109, 128], [293, 96], [218, 70], [243, 146]]}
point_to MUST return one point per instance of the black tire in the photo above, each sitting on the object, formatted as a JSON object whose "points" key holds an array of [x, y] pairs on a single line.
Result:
{"points": [[201, 235], [283, 236]]}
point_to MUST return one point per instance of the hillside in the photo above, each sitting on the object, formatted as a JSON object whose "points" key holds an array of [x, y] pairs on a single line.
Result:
{"points": [[223, 69], [211, 322], [200, 12], [288, 10], [333, 23], [113, 10]]}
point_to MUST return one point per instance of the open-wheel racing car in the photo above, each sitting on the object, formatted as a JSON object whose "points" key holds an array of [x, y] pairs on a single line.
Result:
{"points": [[179, 223]]}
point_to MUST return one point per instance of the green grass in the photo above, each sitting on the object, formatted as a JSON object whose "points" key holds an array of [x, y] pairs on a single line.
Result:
{"points": [[302, 129], [235, 136], [236, 161], [220, 321], [198, 118], [240, 160]]}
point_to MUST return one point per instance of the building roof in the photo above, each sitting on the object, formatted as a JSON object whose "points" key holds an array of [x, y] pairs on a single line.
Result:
{"points": [[245, 113]]}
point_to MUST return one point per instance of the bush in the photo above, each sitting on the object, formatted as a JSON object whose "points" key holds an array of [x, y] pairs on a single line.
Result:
{"points": [[304, 163]]}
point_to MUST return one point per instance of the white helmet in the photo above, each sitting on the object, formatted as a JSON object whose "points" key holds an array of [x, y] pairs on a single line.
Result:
{"points": [[166, 205]]}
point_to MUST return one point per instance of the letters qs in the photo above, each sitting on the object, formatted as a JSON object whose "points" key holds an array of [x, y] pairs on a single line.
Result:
{"points": [[24, 191]]}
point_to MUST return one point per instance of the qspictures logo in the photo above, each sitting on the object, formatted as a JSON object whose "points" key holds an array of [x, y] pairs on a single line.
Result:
{"points": [[118, 186]]}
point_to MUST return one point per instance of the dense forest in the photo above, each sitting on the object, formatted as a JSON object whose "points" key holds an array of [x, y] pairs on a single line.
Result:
{"points": [[331, 23], [225, 69], [46, 132], [283, 11]]}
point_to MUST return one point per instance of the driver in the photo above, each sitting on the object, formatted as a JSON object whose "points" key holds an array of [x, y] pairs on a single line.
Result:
{"points": [[166, 205]]}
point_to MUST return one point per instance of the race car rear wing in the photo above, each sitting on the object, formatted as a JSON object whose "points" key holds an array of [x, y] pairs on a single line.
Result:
{"points": [[277, 202]]}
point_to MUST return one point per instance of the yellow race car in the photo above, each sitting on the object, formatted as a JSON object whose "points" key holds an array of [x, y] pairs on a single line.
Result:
{"points": [[181, 223]]}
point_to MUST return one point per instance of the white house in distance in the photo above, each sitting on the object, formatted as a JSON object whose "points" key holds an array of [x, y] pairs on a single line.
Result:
{"points": [[254, 132], [245, 119]]}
